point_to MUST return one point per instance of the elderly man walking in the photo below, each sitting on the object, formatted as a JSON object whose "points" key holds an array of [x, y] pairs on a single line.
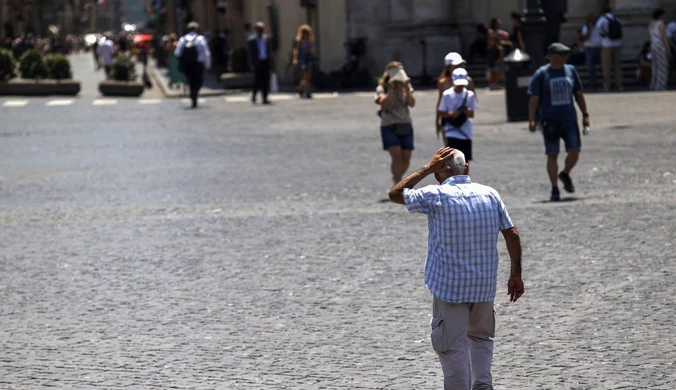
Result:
{"points": [[462, 263]]}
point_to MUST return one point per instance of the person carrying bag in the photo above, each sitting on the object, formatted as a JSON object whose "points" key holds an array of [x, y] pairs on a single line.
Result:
{"points": [[456, 109]]}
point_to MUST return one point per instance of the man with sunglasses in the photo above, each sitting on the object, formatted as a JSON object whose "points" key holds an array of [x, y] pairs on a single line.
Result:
{"points": [[553, 90]]}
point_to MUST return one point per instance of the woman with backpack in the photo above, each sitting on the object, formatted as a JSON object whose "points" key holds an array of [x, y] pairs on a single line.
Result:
{"points": [[394, 94], [303, 52]]}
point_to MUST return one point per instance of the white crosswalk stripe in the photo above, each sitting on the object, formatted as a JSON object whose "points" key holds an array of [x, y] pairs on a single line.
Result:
{"points": [[188, 101], [15, 103], [104, 102], [327, 95], [150, 101], [60, 102], [237, 99]]}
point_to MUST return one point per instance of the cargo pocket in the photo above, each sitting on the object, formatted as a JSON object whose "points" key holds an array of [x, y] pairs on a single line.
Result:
{"points": [[493, 327], [439, 342]]}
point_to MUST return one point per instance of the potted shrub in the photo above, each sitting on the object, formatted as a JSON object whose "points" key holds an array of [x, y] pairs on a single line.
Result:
{"points": [[239, 75], [32, 65], [122, 79], [7, 69], [39, 76]]}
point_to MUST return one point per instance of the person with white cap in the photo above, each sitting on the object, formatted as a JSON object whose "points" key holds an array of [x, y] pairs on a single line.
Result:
{"points": [[395, 95], [456, 110], [452, 61]]}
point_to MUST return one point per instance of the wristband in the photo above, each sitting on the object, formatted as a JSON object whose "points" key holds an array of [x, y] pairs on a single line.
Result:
{"points": [[585, 115]]}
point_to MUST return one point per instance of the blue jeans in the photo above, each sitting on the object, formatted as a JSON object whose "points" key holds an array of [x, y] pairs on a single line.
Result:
{"points": [[593, 57]]}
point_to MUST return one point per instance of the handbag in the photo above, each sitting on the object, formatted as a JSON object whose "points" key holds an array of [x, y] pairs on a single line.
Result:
{"points": [[460, 119], [402, 129]]}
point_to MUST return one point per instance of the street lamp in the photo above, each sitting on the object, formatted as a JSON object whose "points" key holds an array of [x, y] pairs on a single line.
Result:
{"points": [[535, 32]]}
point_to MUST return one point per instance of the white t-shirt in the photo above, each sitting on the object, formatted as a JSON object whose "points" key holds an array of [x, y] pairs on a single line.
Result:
{"points": [[595, 39], [451, 101], [602, 25], [671, 30]]}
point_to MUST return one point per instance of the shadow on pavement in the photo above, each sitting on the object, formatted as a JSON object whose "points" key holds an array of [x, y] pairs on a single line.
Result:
{"points": [[563, 200]]}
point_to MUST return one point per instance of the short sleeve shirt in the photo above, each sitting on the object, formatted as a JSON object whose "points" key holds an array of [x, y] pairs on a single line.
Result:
{"points": [[603, 25], [556, 88], [398, 110], [451, 101], [464, 220]]}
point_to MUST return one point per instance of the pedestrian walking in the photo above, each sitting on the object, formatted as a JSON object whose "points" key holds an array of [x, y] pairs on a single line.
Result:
{"points": [[553, 89], [175, 76], [645, 65], [195, 57], [610, 29], [105, 53], [260, 62], [517, 32], [591, 37], [660, 49], [394, 94], [497, 39], [464, 220], [452, 61], [303, 52], [456, 111]]}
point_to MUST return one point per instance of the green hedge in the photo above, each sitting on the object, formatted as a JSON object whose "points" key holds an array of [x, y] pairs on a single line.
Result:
{"points": [[123, 68], [7, 65], [32, 65], [58, 67]]}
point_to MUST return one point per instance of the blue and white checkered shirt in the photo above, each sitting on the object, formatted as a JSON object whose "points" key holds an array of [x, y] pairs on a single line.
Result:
{"points": [[464, 221]]}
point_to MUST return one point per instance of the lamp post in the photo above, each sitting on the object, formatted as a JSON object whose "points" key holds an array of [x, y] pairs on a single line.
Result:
{"points": [[535, 32]]}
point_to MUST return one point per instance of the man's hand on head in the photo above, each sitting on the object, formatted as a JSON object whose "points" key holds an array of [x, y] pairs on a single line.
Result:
{"points": [[439, 159]]}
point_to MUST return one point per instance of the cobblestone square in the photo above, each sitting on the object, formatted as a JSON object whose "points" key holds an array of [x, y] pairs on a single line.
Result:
{"points": [[149, 246]]}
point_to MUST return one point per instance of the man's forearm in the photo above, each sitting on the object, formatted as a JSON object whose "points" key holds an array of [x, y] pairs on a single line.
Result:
{"points": [[410, 181], [514, 249], [581, 102], [532, 108]]}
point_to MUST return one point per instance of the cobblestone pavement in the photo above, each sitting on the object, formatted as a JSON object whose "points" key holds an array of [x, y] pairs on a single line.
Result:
{"points": [[249, 247]]}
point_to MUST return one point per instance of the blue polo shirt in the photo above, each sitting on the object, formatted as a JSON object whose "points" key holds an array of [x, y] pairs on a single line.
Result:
{"points": [[556, 88]]}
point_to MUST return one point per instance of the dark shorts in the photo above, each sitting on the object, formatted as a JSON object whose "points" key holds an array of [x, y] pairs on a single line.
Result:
{"points": [[463, 145], [391, 139], [570, 133], [304, 62]]}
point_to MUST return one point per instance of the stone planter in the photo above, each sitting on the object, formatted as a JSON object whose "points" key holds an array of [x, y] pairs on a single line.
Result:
{"points": [[121, 88], [44, 87], [237, 80]]}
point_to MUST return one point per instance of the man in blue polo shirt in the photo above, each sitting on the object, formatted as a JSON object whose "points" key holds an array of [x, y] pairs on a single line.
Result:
{"points": [[553, 90]]}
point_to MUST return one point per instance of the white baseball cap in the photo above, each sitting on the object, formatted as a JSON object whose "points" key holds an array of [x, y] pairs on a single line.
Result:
{"points": [[460, 77], [454, 59]]}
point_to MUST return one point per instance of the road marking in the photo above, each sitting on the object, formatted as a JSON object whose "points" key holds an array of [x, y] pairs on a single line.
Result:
{"points": [[150, 101], [279, 98], [325, 95], [365, 94], [188, 101], [104, 102], [60, 102], [15, 103], [237, 99]]}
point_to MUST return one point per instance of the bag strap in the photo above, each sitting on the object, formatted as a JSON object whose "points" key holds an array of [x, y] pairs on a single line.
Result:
{"points": [[464, 103]]}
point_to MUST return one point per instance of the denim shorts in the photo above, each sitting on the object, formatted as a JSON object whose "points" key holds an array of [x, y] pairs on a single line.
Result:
{"points": [[391, 139], [570, 133]]}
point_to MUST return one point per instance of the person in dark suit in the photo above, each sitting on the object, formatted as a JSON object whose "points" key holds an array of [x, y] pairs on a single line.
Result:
{"points": [[260, 61]]}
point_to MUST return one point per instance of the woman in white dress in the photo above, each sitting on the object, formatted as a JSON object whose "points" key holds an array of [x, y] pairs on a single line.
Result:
{"points": [[660, 50]]}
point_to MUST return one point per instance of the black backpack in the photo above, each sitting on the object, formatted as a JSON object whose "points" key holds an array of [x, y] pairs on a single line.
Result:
{"points": [[614, 28], [190, 54]]}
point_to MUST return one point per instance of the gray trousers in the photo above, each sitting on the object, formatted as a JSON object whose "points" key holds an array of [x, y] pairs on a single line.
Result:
{"points": [[462, 336]]}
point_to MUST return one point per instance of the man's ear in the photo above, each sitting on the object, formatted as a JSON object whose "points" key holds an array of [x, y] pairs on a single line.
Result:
{"points": [[466, 168]]}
